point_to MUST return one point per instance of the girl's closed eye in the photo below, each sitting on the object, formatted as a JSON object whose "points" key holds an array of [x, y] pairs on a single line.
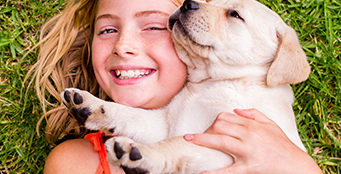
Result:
{"points": [[157, 28]]}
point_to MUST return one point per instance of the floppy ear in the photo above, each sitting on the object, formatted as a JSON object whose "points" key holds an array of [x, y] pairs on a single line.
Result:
{"points": [[290, 64]]}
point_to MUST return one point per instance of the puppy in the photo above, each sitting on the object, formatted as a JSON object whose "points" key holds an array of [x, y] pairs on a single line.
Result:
{"points": [[239, 54]]}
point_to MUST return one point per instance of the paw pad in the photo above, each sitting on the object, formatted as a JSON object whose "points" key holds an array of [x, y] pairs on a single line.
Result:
{"points": [[119, 152], [112, 130], [77, 98], [81, 114], [127, 153], [67, 96], [135, 154], [137, 170]]}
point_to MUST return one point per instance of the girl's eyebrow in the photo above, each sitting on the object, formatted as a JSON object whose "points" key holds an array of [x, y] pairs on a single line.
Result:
{"points": [[106, 16], [147, 13], [138, 14]]}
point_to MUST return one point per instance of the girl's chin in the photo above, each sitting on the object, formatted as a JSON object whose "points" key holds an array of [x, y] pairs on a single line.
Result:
{"points": [[135, 104], [139, 99]]}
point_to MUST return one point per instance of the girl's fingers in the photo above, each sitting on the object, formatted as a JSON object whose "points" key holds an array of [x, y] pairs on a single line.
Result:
{"points": [[234, 168], [237, 126], [255, 142], [232, 118], [234, 135], [243, 117], [223, 143], [252, 114], [223, 127]]}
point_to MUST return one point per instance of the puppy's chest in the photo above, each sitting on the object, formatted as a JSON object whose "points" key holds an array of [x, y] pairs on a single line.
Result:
{"points": [[197, 106], [223, 94]]}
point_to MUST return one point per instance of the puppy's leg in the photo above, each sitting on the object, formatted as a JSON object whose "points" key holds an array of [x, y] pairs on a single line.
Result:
{"points": [[113, 118], [173, 155]]}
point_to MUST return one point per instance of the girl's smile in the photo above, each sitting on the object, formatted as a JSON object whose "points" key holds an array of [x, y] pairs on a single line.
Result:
{"points": [[130, 75]]}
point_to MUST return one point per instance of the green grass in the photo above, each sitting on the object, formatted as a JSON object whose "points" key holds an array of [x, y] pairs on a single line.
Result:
{"points": [[317, 106], [21, 150]]}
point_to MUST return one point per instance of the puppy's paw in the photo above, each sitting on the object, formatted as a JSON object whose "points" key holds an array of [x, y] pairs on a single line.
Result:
{"points": [[87, 109], [125, 152], [74, 99]]}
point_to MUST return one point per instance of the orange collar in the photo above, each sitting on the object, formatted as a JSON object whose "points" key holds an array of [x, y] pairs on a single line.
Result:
{"points": [[97, 140]]}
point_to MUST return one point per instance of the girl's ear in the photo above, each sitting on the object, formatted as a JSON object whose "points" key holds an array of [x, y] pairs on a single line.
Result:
{"points": [[290, 64]]}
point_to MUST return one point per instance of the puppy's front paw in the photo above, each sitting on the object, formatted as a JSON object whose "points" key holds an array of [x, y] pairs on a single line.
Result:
{"points": [[87, 109], [125, 152], [74, 99]]}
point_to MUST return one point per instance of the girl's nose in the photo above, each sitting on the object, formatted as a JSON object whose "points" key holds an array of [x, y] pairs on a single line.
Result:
{"points": [[126, 46]]}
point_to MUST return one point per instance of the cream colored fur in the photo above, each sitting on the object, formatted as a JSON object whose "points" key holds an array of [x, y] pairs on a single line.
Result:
{"points": [[245, 62]]}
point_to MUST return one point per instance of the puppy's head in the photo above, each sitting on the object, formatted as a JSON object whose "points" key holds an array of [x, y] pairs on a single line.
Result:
{"points": [[234, 39]]}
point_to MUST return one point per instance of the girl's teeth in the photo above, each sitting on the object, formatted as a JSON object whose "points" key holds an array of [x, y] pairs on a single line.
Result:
{"points": [[118, 73], [131, 73], [127, 74]]}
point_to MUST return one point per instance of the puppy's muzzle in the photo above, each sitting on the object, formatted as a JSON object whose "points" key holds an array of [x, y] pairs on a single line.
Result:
{"points": [[187, 6]]}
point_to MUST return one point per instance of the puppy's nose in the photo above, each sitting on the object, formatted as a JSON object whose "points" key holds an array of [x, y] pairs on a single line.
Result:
{"points": [[189, 5]]}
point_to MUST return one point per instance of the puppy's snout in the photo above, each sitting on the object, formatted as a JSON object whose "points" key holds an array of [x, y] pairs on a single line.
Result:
{"points": [[189, 5], [173, 19]]}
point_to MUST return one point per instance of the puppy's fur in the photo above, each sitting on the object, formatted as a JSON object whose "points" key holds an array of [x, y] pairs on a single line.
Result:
{"points": [[239, 54]]}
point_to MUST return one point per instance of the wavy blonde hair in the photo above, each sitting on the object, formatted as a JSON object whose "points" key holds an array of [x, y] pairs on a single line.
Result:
{"points": [[64, 61]]}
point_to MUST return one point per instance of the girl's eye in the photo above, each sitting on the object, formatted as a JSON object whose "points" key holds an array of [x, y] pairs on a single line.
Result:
{"points": [[157, 28], [107, 31]]}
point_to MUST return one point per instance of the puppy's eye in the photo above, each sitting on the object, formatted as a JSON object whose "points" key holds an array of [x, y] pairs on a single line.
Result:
{"points": [[234, 13]]}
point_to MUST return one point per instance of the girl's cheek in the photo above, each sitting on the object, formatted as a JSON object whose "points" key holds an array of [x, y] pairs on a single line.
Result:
{"points": [[162, 37], [101, 47]]}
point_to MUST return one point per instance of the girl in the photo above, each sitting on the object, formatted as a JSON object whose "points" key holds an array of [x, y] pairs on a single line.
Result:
{"points": [[91, 40]]}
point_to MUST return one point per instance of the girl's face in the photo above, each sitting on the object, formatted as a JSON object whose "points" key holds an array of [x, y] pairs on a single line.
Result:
{"points": [[133, 55]]}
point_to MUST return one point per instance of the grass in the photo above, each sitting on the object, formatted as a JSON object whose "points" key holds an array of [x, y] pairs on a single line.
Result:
{"points": [[21, 150], [317, 105]]}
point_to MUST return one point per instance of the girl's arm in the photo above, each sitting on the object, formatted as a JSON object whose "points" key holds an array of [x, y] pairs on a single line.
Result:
{"points": [[257, 144]]}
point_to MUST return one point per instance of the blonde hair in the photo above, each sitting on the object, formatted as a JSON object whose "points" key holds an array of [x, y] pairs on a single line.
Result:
{"points": [[64, 61]]}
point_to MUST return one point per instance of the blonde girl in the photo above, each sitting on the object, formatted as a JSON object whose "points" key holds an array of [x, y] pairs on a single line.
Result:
{"points": [[76, 46]]}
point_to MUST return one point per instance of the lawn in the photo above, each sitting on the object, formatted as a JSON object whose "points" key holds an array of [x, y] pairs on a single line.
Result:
{"points": [[317, 105]]}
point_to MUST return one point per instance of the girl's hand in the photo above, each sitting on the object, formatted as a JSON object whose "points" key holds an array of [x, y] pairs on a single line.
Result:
{"points": [[257, 144]]}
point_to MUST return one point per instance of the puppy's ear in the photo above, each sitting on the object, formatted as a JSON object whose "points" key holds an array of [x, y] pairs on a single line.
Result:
{"points": [[290, 64]]}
